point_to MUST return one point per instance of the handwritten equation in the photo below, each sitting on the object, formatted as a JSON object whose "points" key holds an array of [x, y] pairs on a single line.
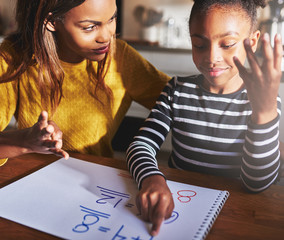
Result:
{"points": [[93, 217], [99, 202]]}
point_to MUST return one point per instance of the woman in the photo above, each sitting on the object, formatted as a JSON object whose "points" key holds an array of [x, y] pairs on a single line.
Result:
{"points": [[64, 59]]}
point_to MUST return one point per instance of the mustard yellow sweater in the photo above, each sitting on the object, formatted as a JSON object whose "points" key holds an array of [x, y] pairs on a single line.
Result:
{"points": [[87, 125]]}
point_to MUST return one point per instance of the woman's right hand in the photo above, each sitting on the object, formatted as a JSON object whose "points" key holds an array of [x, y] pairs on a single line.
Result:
{"points": [[44, 137], [155, 202]]}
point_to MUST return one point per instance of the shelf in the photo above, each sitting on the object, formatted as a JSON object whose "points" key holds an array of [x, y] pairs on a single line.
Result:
{"points": [[149, 46]]}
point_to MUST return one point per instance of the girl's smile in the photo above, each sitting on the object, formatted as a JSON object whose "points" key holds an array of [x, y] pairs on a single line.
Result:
{"points": [[216, 38], [216, 71]]}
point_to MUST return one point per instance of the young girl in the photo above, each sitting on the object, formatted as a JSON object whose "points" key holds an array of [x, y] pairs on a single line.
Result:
{"points": [[224, 121], [65, 59]]}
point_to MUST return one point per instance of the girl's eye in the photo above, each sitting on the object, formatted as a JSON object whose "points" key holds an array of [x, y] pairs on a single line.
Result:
{"points": [[227, 46]]}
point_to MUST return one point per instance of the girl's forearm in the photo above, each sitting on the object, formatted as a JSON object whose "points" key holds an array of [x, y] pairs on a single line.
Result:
{"points": [[260, 162]]}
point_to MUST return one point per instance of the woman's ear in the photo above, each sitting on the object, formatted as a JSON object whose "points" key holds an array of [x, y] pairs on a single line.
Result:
{"points": [[254, 40], [49, 24]]}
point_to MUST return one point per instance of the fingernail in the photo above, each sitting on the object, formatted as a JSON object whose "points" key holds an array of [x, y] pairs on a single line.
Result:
{"points": [[49, 129], [266, 37], [278, 36], [153, 233]]}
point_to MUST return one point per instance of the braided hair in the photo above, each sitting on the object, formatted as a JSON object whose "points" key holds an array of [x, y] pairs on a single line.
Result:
{"points": [[248, 6]]}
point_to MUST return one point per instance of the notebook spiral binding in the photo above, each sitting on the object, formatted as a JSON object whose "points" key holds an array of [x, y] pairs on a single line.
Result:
{"points": [[211, 215]]}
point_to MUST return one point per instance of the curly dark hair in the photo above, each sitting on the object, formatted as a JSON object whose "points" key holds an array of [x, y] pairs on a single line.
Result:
{"points": [[249, 6]]}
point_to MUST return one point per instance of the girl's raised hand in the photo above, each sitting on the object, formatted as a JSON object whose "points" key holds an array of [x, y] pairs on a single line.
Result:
{"points": [[45, 137], [262, 81]]}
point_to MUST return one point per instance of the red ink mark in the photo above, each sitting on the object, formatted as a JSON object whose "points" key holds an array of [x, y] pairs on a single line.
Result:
{"points": [[185, 195]]}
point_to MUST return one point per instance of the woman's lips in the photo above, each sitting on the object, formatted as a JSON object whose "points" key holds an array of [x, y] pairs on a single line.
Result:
{"points": [[101, 50]]}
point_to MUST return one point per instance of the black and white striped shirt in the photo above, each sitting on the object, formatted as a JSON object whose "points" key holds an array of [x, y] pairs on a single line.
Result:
{"points": [[211, 133]]}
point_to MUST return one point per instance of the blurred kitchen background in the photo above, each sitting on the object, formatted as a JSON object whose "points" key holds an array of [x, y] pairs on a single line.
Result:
{"points": [[158, 30]]}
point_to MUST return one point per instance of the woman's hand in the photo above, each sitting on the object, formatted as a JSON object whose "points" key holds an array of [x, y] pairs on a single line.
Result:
{"points": [[155, 201], [45, 137], [262, 83]]}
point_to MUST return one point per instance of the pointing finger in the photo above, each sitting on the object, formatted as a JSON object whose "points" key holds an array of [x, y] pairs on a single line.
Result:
{"points": [[158, 218]]}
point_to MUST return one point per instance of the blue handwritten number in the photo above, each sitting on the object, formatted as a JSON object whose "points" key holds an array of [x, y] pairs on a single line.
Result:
{"points": [[174, 217], [117, 236], [81, 228], [110, 195], [91, 218], [100, 201]]}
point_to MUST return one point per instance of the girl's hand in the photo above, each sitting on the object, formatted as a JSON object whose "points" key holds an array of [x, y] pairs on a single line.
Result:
{"points": [[155, 202], [45, 137], [262, 83]]}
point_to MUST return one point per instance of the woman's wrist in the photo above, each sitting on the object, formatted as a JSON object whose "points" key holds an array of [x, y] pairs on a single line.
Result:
{"points": [[15, 140]]}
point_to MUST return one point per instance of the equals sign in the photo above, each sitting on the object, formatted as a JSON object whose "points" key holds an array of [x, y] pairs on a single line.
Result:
{"points": [[129, 205], [104, 229]]}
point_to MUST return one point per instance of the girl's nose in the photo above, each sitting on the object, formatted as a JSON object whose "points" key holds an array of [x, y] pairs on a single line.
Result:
{"points": [[214, 55]]}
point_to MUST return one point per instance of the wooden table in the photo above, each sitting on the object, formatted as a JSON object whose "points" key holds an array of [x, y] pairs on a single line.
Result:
{"points": [[244, 215]]}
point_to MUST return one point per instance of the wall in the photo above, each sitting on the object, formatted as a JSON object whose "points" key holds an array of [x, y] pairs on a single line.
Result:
{"points": [[7, 10], [176, 10]]}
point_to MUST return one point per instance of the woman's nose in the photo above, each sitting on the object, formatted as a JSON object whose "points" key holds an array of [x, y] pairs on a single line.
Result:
{"points": [[105, 34]]}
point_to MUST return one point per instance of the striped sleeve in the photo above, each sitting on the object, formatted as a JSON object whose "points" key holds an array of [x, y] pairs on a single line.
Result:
{"points": [[261, 156], [141, 154], [211, 133]]}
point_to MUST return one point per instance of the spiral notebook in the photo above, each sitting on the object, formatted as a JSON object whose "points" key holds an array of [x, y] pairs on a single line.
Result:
{"points": [[75, 199]]}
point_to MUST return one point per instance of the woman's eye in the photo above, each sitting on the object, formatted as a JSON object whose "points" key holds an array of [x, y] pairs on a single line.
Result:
{"points": [[112, 19], [89, 28]]}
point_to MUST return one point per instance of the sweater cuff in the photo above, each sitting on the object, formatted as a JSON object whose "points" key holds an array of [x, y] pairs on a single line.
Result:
{"points": [[3, 161], [252, 125], [150, 174]]}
